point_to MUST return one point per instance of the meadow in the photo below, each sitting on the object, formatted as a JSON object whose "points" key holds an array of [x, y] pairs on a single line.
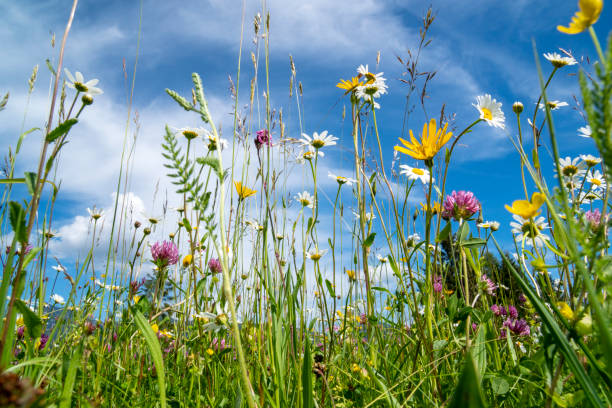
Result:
{"points": [[262, 295]]}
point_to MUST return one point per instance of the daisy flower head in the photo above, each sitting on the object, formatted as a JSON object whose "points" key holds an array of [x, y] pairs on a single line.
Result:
{"points": [[349, 85], [190, 133], [57, 299], [490, 111], [571, 167], [530, 230], [215, 143], [590, 160], [318, 140], [414, 173], [553, 105], [308, 154], [585, 131], [432, 140], [341, 180], [305, 199], [558, 61], [597, 180], [587, 197], [368, 216], [413, 239], [587, 15], [95, 214], [460, 205], [78, 82], [493, 225], [315, 254]]}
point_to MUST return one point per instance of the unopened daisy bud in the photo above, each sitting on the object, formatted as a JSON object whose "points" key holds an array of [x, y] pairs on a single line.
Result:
{"points": [[87, 99], [146, 231], [517, 107], [137, 224], [244, 276]]}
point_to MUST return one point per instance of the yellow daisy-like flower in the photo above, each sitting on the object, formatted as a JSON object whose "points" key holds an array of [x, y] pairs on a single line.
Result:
{"points": [[155, 328], [565, 311], [349, 86], [351, 274], [243, 191], [432, 140], [187, 260], [584, 18], [210, 351], [136, 299], [436, 209], [527, 209]]}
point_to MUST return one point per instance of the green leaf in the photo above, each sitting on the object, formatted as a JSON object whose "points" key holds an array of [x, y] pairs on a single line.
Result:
{"points": [[186, 224], [212, 162], [464, 232], [308, 401], [31, 319], [443, 235], [499, 385], [480, 350], [467, 393], [369, 240], [473, 243], [17, 217], [30, 181], [69, 381], [330, 288], [61, 130], [156, 354]]}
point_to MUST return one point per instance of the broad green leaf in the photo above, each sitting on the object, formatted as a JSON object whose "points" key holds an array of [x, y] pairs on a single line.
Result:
{"points": [[499, 385], [369, 240], [156, 354], [330, 288], [30, 181], [17, 217], [75, 361], [31, 319], [61, 130], [467, 393]]}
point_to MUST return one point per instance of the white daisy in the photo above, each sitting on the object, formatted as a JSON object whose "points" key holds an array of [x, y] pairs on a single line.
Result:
{"points": [[597, 180], [368, 216], [342, 180], [558, 61], [414, 173], [309, 154], [191, 132], [318, 140], [254, 225], [59, 268], [95, 214], [587, 197], [58, 299], [381, 259], [553, 105], [590, 160], [413, 239], [214, 144], [305, 199], [315, 254], [571, 168], [585, 131], [530, 231], [78, 82], [493, 225], [490, 111]]}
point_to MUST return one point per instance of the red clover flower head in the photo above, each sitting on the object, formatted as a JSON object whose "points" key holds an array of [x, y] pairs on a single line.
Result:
{"points": [[460, 205], [214, 265], [593, 218], [487, 285], [164, 254]]}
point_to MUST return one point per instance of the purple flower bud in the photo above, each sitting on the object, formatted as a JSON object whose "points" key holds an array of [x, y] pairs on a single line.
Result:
{"points": [[512, 312]]}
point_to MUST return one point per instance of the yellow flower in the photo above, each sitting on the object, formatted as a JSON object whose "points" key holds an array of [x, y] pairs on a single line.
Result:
{"points": [[584, 18], [355, 368], [565, 311], [19, 321], [210, 351], [187, 260], [436, 209], [432, 140], [243, 191], [155, 327], [136, 299], [349, 86], [351, 274], [527, 209]]}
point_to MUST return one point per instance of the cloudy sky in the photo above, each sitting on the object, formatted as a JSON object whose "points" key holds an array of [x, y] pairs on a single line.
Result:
{"points": [[477, 47]]}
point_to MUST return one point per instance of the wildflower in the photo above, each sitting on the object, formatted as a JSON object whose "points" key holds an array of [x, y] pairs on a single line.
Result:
{"points": [[42, 342], [243, 191], [517, 107], [58, 299], [214, 265], [412, 239], [59, 268], [558, 61], [460, 205], [210, 351], [187, 260], [490, 110], [164, 254], [355, 368], [584, 18], [596, 179], [527, 209], [263, 138], [518, 327], [593, 218], [553, 105], [571, 167], [349, 85], [89, 327], [315, 254], [318, 140], [350, 274], [414, 173], [191, 133], [215, 143], [368, 216], [308, 154], [530, 230], [78, 82], [95, 214], [590, 160], [436, 209], [342, 180], [432, 140], [487, 285], [498, 310], [493, 225], [381, 259], [254, 225], [437, 286], [565, 311], [305, 199], [585, 131]]}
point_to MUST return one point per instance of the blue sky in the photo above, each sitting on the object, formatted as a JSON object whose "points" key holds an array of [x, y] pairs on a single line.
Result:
{"points": [[478, 47]]}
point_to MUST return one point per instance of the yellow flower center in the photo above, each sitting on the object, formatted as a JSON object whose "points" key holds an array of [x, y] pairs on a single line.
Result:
{"points": [[595, 181], [419, 172], [569, 170], [317, 143], [315, 256], [304, 202], [80, 87], [486, 114], [190, 134]]}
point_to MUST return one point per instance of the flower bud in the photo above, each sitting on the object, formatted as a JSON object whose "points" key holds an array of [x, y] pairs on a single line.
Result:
{"points": [[87, 99], [517, 107]]}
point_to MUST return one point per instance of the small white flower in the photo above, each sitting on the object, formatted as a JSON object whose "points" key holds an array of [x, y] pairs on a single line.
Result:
{"points": [[78, 82], [571, 168], [59, 268], [58, 299], [413, 239], [381, 259], [254, 225], [373, 87], [585, 131], [493, 225], [315, 254], [368, 216], [530, 231], [214, 144], [597, 180], [590, 160], [95, 214], [308, 154], [414, 173], [558, 61], [553, 105], [305, 199], [191, 132], [318, 140], [342, 180], [490, 111]]}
